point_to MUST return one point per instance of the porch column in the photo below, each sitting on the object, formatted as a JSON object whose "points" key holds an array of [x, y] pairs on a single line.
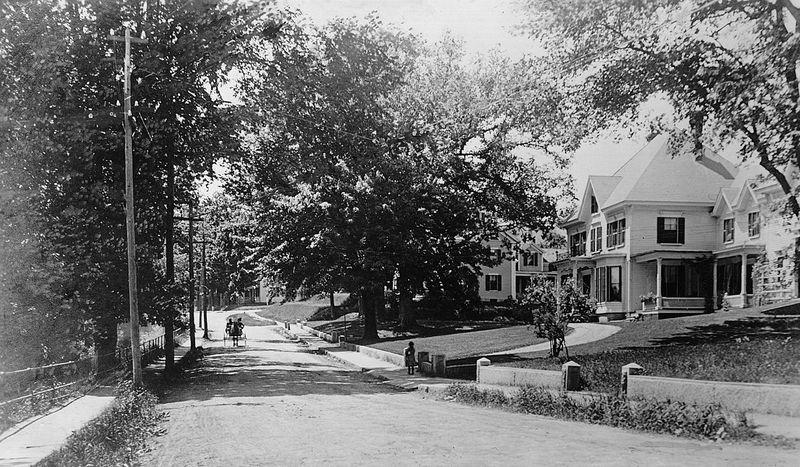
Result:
{"points": [[659, 302], [575, 274], [715, 286], [744, 280], [513, 279]]}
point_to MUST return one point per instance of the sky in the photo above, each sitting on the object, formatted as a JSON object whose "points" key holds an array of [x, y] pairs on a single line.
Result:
{"points": [[482, 25]]}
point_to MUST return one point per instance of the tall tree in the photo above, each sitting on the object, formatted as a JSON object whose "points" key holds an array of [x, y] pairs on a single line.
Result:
{"points": [[378, 166], [62, 95]]}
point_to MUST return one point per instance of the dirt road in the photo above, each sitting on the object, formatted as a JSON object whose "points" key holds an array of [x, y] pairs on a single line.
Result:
{"points": [[273, 404]]}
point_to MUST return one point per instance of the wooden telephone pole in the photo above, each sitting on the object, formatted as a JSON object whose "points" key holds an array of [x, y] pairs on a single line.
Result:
{"points": [[133, 298]]}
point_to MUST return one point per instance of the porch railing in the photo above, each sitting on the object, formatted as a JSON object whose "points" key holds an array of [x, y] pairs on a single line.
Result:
{"points": [[682, 302]]}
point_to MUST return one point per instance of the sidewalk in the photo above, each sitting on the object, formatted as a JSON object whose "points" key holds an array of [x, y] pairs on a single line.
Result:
{"points": [[392, 375], [34, 439]]}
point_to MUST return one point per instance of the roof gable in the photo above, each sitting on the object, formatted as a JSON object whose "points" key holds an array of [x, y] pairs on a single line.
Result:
{"points": [[653, 174]]}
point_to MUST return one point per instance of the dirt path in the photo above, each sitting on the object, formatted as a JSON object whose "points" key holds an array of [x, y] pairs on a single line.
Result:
{"points": [[582, 333], [272, 404]]}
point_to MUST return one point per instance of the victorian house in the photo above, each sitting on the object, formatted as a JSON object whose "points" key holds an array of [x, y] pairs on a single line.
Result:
{"points": [[675, 233]]}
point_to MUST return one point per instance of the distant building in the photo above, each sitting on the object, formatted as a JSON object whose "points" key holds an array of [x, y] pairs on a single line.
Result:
{"points": [[520, 261], [685, 229]]}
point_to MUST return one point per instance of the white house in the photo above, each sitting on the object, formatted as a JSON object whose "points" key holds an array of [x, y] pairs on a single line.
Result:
{"points": [[678, 227], [520, 262]]}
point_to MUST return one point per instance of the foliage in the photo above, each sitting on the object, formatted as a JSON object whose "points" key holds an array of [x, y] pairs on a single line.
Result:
{"points": [[63, 159], [367, 180], [649, 298], [687, 420], [118, 436], [728, 68], [229, 229], [551, 314]]}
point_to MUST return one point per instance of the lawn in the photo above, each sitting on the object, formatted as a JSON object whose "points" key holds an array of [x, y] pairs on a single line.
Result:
{"points": [[291, 311], [455, 339], [735, 346]]}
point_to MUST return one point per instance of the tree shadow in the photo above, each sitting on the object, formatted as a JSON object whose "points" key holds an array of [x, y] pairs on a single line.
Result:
{"points": [[749, 328], [227, 373]]}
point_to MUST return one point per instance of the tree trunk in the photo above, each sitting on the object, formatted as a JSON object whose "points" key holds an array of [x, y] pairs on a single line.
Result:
{"points": [[366, 306], [407, 316], [169, 227], [380, 304]]}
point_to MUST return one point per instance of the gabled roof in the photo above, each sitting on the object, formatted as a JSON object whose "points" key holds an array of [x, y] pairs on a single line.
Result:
{"points": [[653, 174], [741, 190]]}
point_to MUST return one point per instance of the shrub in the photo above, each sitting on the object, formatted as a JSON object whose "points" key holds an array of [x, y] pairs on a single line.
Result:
{"points": [[117, 436], [677, 418]]}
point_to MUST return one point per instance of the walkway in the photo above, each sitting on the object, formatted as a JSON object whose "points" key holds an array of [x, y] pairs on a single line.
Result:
{"points": [[34, 439], [582, 333]]}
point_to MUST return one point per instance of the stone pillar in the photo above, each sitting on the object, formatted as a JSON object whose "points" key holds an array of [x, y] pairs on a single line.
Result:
{"points": [[439, 365], [481, 362], [715, 282], [422, 357], [743, 290], [627, 370], [334, 336], [659, 301], [570, 376]]}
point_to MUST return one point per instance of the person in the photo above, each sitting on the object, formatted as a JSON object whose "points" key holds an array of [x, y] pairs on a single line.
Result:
{"points": [[229, 326], [238, 326], [410, 357]]}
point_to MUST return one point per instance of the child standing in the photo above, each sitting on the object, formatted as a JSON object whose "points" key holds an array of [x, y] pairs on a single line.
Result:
{"points": [[409, 353]]}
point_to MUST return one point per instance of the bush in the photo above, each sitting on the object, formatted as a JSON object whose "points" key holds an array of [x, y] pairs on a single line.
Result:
{"points": [[117, 437], [677, 418]]}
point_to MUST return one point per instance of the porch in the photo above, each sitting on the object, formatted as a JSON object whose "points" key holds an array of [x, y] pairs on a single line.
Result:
{"points": [[680, 281]]}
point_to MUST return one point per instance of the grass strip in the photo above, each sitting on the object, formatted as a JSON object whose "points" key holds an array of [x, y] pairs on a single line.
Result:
{"points": [[711, 422], [117, 437]]}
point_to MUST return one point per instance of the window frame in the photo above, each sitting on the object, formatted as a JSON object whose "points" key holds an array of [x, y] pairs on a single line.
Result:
{"points": [[596, 239], [615, 233], [680, 230], [728, 230], [577, 245], [754, 228], [490, 280]]}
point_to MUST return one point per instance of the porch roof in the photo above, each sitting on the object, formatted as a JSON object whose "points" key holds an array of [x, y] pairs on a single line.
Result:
{"points": [[653, 255], [739, 250]]}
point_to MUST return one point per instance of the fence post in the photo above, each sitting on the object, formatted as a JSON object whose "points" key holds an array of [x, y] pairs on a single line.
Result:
{"points": [[481, 362], [570, 376], [627, 370], [439, 364]]}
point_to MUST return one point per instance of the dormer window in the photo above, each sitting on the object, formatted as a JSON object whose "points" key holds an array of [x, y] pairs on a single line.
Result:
{"points": [[594, 205], [753, 224]]}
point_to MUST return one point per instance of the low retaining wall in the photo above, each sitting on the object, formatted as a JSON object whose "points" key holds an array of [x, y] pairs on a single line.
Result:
{"points": [[776, 399], [322, 335], [507, 376], [382, 355]]}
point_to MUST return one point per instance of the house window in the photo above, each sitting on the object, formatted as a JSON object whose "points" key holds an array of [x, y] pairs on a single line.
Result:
{"points": [[670, 229], [497, 254], [530, 258], [608, 284], [616, 234], [727, 230], [754, 224], [577, 244], [596, 241], [494, 282], [594, 205]]}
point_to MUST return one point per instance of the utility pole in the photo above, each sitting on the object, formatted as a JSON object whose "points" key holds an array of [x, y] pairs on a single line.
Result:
{"points": [[203, 299], [191, 279], [133, 299]]}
